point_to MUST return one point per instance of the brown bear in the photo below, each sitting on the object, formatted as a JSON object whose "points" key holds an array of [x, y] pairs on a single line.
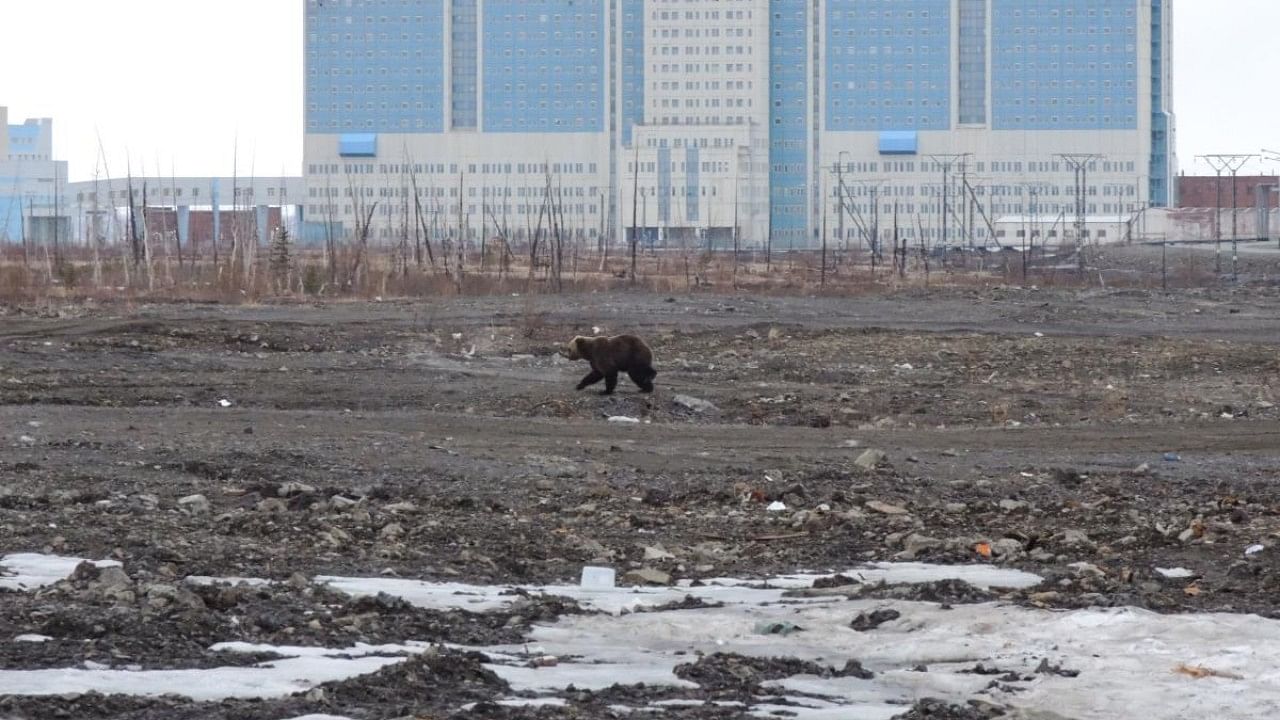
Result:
{"points": [[611, 355]]}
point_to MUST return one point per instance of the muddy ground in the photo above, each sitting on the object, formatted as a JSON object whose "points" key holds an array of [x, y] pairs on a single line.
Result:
{"points": [[1088, 437]]}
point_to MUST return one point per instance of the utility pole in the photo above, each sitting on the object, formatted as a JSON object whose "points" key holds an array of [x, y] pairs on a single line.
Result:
{"points": [[947, 161], [840, 192], [1230, 164], [1079, 162], [635, 189], [823, 277]]}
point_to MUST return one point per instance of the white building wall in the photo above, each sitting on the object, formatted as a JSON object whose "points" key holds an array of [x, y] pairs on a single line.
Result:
{"points": [[502, 177]]}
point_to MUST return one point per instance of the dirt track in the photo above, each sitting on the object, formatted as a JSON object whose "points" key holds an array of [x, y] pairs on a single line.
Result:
{"points": [[1041, 419]]}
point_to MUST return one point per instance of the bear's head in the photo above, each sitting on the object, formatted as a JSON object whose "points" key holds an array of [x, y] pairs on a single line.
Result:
{"points": [[573, 349]]}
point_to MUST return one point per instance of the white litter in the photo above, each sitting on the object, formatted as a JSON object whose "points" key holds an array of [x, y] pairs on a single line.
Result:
{"points": [[776, 506], [224, 403], [1175, 573], [32, 638], [1254, 549], [623, 419]]}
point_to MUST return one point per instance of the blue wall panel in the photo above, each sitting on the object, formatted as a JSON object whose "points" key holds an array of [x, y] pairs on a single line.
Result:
{"points": [[358, 145], [664, 185], [632, 66], [365, 72], [888, 64], [788, 118], [544, 66], [899, 142], [1161, 137], [1064, 66]]}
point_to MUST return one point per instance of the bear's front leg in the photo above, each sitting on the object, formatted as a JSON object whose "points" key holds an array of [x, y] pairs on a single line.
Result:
{"points": [[610, 382], [591, 378]]}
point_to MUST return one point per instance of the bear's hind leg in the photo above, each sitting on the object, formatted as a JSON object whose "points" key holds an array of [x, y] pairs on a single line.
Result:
{"points": [[591, 378], [643, 378]]}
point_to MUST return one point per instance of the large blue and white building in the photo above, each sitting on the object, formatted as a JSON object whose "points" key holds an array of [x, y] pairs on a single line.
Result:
{"points": [[688, 118], [32, 182]]}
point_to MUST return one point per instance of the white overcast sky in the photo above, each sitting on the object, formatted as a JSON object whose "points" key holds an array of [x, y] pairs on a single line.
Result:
{"points": [[174, 85]]}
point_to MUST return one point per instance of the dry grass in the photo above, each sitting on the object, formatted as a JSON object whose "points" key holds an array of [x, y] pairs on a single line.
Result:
{"points": [[313, 276]]}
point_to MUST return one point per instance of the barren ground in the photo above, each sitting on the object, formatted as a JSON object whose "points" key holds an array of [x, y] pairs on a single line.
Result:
{"points": [[443, 440]]}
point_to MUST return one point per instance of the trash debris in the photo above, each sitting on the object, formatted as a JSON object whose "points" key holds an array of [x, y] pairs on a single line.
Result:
{"points": [[1172, 457], [776, 506], [1200, 672], [695, 404], [1254, 549], [624, 419], [598, 578], [1175, 573], [224, 403]]}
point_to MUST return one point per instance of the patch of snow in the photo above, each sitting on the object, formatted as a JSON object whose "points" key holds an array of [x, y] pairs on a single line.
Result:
{"points": [[28, 571], [277, 678], [1126, 658], [447, 596], [523, 702]]}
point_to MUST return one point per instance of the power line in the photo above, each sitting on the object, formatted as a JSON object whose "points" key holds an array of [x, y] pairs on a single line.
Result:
{"points": [[1080, 162], [1228, 163]]}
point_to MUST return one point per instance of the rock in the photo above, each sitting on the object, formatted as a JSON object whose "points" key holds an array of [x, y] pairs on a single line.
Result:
{"points": [[272, 506], [874, 619], [1006, 548], [885, 508], [695, 404], [1075, 538], [955, 507], [646, 576], [914, 544], [195, 504], [777, 628], [656, 497], [290, 489], [113, 576], [146, 500], [404, 506], [869, 459], [657, 552], [392, 531], [1010, 505], [624, 419], [1085, 569]]}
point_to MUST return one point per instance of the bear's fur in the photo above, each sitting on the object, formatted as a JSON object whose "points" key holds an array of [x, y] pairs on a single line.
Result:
{"points": [[611, 355]]}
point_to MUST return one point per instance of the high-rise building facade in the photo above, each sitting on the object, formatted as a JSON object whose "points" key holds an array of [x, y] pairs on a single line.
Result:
{"points": [[702, 120]]}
